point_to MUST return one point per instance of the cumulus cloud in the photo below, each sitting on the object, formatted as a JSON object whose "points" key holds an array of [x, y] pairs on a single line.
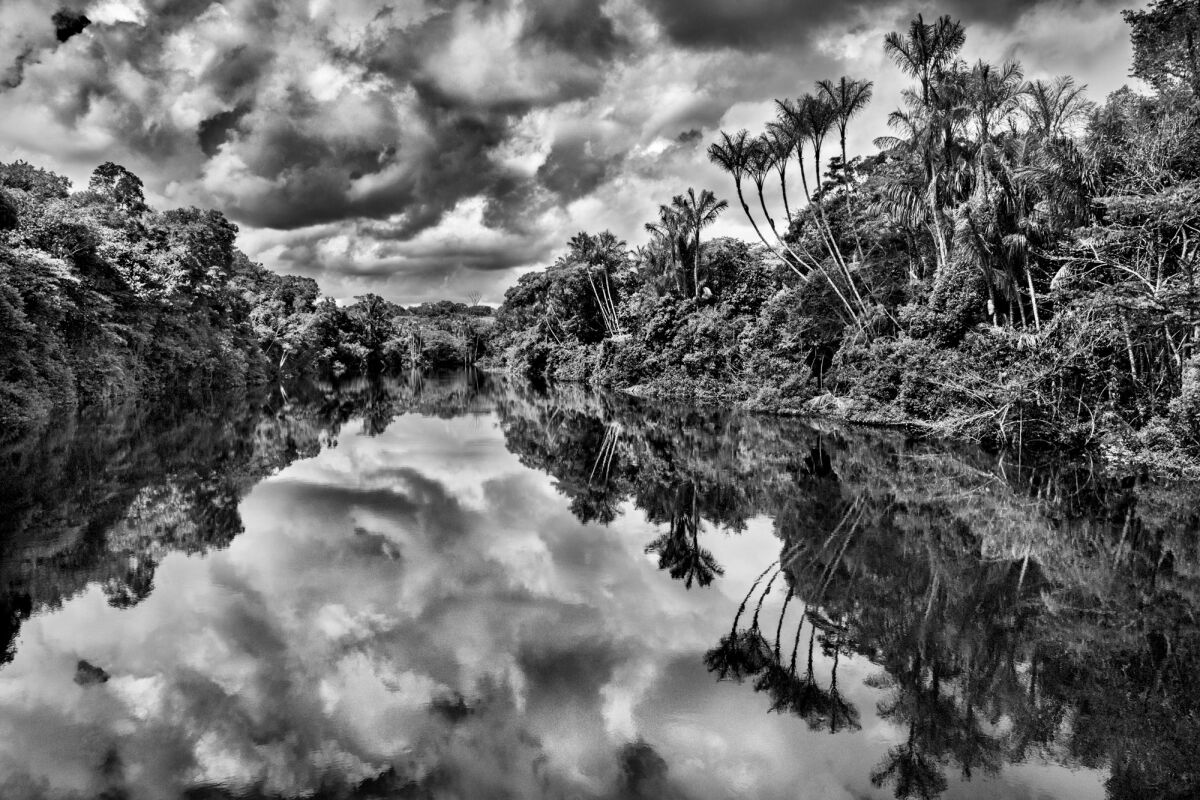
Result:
{"points": [[453, 140]]}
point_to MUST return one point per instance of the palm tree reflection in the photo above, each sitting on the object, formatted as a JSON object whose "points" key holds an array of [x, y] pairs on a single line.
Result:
{"points": [[678, 550]]}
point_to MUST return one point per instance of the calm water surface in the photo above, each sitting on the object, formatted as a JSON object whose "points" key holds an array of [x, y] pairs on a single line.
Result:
{"points": [[453, 588]]}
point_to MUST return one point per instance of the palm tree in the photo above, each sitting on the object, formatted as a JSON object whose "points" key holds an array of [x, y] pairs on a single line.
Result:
{"points": [[795, 122], [1052, 107], [820, 117], [792, 116], [991, 96], [679, 549], [760, 157], [925, 53], [1046, 163], [847, 97], [698, 213], [781, 142], [603, 250], [671, 232], [732, 155]]}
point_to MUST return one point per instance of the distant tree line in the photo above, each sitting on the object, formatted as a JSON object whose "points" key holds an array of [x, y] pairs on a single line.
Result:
{"points": [[102, 297]]}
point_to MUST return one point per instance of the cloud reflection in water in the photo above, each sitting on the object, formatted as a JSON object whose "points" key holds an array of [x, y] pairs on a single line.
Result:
{"points": [[418, 614]]}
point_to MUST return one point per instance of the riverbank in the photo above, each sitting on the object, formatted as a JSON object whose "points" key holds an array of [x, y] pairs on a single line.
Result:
{"points": [[1115, 454], [1001, 273]]}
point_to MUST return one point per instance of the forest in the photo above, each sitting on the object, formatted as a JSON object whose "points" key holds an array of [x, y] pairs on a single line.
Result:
{"points": [[1014, 265], [103, 298]]}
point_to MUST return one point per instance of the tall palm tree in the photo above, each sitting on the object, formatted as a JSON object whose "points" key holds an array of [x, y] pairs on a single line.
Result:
{"points": [[924, 53], [820, 117], [792, 116], [992, 95], [603, 251], [760, 158], [848, 97], [806, 124], [699, 211], [732, 154], [781, 143], [670, 231]]}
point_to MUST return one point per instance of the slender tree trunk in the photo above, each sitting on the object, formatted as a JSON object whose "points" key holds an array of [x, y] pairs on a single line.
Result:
{"points": [[1037, 322], [753, 224], [939, 236], [787, 209], [1015, 290], [835, 252]]}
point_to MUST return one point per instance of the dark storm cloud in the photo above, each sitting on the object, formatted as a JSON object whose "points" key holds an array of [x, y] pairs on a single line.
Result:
{"points": [[431, 129], [68, 24], [216, 130], [753, 24], [423, 262], [575, 26], [234, 76], [573, 168], [747, 24]]}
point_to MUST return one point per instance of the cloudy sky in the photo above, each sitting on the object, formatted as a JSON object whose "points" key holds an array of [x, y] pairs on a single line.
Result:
{"points": [[436, 148]]}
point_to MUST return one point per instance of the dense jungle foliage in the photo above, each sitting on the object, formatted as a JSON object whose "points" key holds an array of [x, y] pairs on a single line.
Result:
{"points": [[1016, 264], [103, 298]]}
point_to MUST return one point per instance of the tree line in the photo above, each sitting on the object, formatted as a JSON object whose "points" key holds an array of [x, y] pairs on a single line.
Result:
{"points": [[1015, 263], [102, 298]]}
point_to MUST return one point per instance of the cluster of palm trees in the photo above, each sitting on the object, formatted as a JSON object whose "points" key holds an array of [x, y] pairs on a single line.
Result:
{"points": [[804, 124], [600, 255], [676, 245], [990, 146], [747, 653], [982, 147]]}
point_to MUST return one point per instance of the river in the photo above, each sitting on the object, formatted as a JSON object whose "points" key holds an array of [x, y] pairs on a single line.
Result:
{"points": [[460, 587]]}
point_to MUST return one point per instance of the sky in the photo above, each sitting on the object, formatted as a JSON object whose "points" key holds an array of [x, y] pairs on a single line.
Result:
{"points": [[429, 149]]}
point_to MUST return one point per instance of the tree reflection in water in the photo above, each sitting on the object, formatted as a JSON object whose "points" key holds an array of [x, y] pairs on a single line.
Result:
{"points": [[103, 498], [1010, 614], [1038, 612]]}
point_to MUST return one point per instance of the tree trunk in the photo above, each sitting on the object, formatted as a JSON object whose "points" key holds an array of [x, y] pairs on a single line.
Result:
{"points": [[939, 236], [1037, 322]]}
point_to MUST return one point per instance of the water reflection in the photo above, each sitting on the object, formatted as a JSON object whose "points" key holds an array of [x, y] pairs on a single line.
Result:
{"points": [[1019, 613], [460, 588]]}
